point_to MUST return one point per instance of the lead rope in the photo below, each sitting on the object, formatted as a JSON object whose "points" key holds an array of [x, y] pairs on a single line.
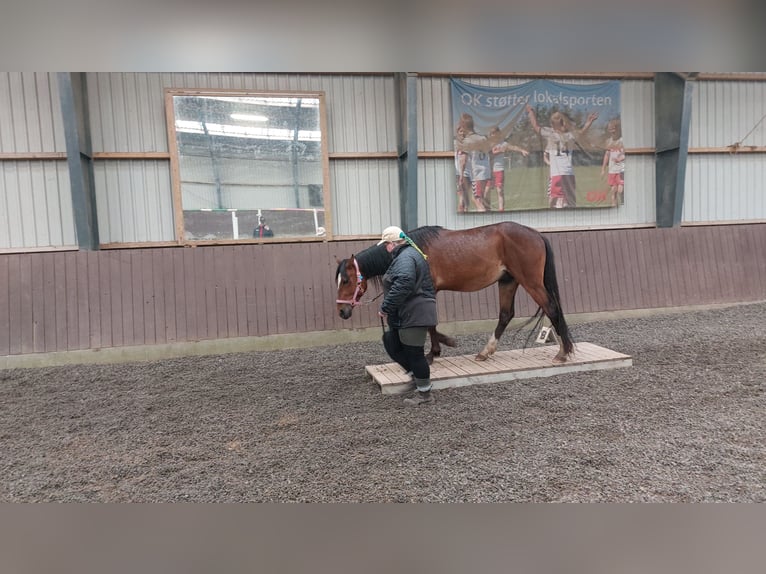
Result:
{"points": [[410, 242]]}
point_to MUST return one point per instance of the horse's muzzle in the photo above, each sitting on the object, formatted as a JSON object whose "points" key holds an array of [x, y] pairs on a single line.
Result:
{"points": [[345, 311]]}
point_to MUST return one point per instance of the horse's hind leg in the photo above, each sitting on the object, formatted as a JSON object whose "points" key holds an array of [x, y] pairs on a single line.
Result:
{"points": [[553, 311], [437, 339], [507, 287]]}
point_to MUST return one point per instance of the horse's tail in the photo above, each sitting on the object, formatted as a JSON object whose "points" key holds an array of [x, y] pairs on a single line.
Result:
{"points": [[556, 314]]}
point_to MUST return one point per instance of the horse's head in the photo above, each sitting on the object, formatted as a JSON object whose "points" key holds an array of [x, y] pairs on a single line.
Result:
{"points": [[351, 286]]}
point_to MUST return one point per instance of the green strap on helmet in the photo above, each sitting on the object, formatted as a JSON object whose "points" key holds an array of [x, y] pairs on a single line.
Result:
{"points": [[409, 241]]}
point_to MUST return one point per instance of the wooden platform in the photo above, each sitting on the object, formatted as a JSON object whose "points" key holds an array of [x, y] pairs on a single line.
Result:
{"points": [[502, 366]]}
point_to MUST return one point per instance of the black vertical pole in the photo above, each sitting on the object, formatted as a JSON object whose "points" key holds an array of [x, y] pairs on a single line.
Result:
{"points": [[408, 148], [672, 116], [74, 108]]}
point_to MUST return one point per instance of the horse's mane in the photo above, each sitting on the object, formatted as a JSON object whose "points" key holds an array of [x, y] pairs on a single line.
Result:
{"points": [[423, 236], [374, 260]]}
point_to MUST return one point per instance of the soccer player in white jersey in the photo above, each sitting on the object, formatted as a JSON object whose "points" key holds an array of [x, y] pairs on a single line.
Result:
{"points": [[614, 161], [500, 152], [560, 139]]}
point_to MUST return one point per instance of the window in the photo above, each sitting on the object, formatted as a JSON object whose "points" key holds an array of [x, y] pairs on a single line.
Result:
{"points": [[248, 166]]}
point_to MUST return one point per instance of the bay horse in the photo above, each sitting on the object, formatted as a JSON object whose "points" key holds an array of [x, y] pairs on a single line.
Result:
{"points": [[505, 253]]}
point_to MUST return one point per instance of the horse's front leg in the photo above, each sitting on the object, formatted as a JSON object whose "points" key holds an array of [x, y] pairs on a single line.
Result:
{"points": [[507, 290]]}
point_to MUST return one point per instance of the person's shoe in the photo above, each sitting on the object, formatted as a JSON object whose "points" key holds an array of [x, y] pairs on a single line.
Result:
{"points": [[420, 398]]}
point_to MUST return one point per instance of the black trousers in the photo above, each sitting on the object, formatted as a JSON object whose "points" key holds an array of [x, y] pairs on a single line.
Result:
{"points": [[411, 358]]}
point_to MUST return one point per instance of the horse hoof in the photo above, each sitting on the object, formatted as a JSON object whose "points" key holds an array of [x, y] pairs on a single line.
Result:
{"points": [[481, 357], [450, 342], [559, 359], [430, 359]]}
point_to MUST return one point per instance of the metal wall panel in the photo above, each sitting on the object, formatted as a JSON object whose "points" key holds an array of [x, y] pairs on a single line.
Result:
{"points": [[724, 112], [133, 201], [35, 203], [726, 187], [437, 201], [365, 195], [30, 113]]}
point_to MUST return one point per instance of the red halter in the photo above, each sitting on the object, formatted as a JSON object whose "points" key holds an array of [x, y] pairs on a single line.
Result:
{"points": [[358, 291]]}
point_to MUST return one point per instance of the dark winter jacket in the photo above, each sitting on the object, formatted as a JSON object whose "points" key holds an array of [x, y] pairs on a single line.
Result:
{"points": [[410, 297]]}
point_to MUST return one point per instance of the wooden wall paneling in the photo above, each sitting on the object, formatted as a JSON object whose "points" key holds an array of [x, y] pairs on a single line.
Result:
{"points": [[194, 278], [49, 301], [624, 263], [321, 302], [260, 279], [159, 278], [239, 295], [636, 244], [738, 249], [698, 272], [37, 286], [750, 259], [271, 288], [564, 271], [95, 340], [628, 290], [755, 261], [220, 271], [231, 315], [176, 262], [5, 307], [290, 277], [611, 270], [186, 261], [712, 238], [169, 295], [138, 306], [677, 285], [250, 307], [729, 268], [207, 275], [148, 301], [301, 282], [325, 289], [654, 275], [573, 250], [27, 318], [122, 289], [615, 268], [712, 280], [593, 266], [58, 263], [72, 310], [709, 256], [668, 267], [688, 264], [14, 304], [734, 248], [81, 300], [106, 300], [83, 307], [580, 274]]}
